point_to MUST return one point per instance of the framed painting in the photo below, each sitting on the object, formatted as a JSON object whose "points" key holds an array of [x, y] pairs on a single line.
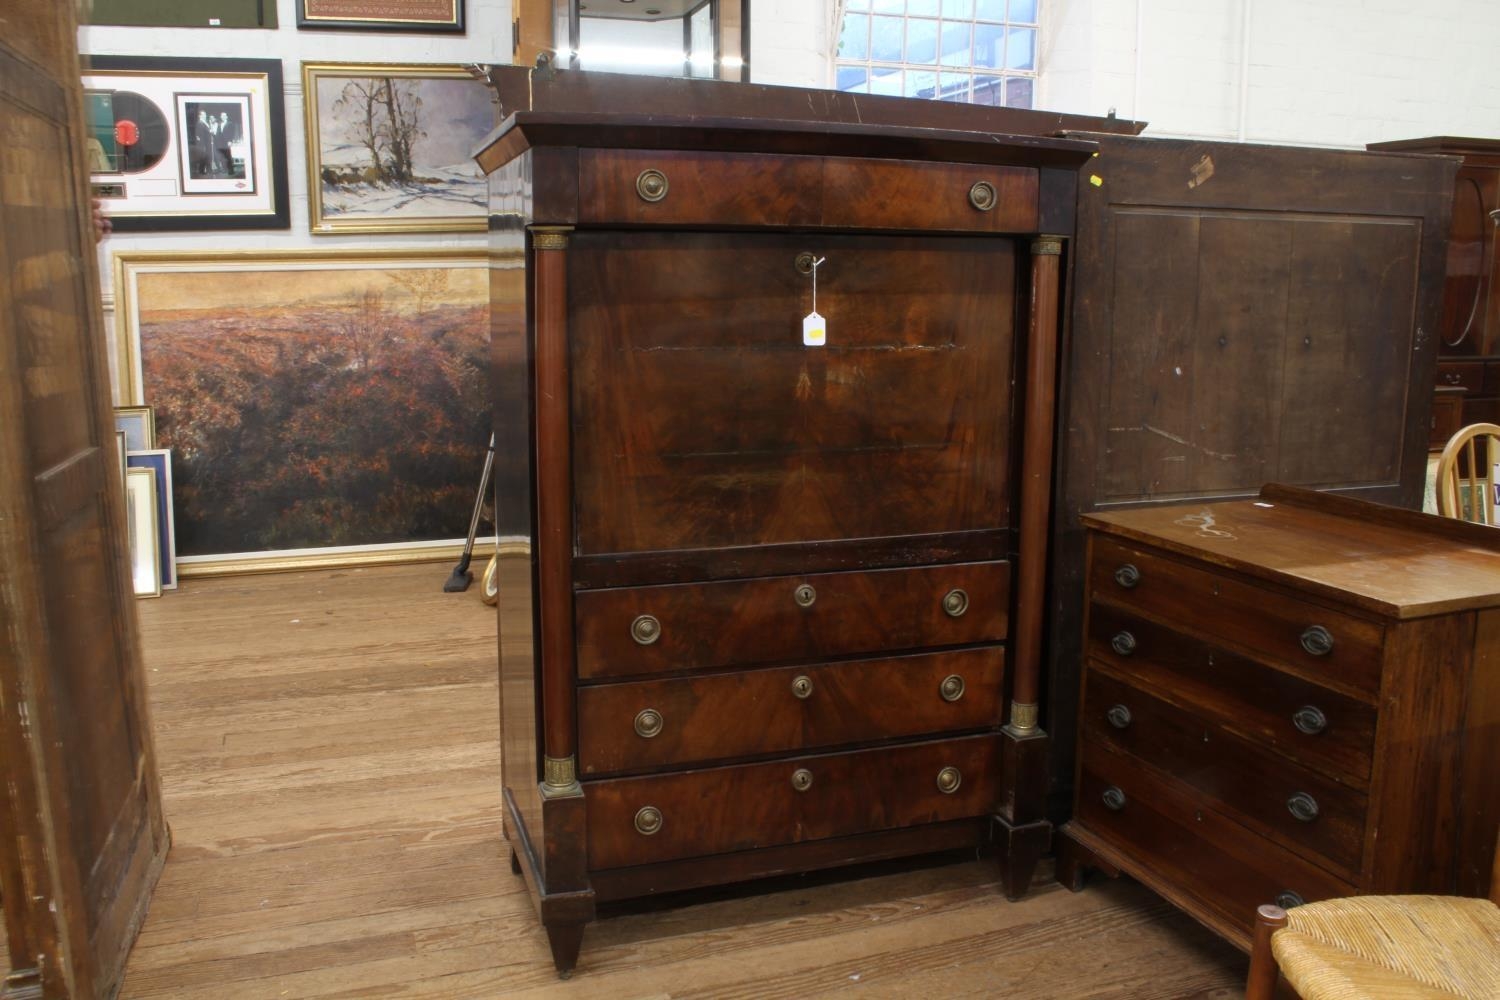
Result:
{"points": [[390, 148], [159, 461], [322, 408], [187, 144], [140, 516], [139, 426], [382, 15]]}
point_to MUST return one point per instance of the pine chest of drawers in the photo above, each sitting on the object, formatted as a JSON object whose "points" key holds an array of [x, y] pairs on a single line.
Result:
{"points": [[1288, 699], [778, 605]]}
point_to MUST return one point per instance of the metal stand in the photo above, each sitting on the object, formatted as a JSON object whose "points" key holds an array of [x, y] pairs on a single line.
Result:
{"points": [[459, 581]]}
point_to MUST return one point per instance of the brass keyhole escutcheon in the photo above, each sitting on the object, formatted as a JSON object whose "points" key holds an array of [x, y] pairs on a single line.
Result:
{"points": [[647, 723], [803, 262], [645, 630], [805, 595], [956, 602], [802, 686], [802, 779], [948, 780], [952, 687], [651, 185], [648, 820], [982, 196]]}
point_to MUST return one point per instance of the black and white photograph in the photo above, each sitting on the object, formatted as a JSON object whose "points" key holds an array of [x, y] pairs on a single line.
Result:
{"points": [[216, 152]]}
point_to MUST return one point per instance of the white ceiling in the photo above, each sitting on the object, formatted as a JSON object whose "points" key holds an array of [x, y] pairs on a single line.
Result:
{"points": [[639, 10]]}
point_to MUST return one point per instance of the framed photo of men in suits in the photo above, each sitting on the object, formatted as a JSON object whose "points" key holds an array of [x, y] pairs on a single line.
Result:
{"points": [[218, 148]]}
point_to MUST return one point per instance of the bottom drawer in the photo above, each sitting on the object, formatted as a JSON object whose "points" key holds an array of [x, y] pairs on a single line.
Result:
{"points": [[1205, 858], [663, 817]]}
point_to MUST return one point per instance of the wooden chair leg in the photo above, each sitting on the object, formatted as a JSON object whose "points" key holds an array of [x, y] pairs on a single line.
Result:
{"points": [[1261, 983]]}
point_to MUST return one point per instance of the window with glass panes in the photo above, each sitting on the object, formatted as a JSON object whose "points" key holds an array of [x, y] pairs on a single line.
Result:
{"points": [[975, 51]]}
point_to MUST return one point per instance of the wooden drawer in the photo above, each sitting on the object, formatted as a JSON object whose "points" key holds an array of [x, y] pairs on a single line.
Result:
{"points": [[1311, 724], [1191, 852], [758, 805], [700, 626], [1218, 604], [1261, 787], [759, 189], [695, 719], [1469, 374]]}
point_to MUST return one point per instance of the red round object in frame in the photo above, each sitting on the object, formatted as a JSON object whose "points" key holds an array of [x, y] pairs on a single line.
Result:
{"points": [[127, 133]]}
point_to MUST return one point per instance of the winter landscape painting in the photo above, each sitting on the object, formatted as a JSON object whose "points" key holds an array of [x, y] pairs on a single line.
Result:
{"points": [[313, 400], [390, 147]]}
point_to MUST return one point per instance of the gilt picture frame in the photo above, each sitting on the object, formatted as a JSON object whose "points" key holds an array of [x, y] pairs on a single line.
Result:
{"points": [[141, 524], [445, 16]]}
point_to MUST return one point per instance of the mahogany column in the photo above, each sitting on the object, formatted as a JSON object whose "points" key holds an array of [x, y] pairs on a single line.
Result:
{"points": [[1021, 829]]}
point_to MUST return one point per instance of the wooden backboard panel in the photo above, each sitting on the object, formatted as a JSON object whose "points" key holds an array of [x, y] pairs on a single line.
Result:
{"points": [[1241, 315], [84, 837]]}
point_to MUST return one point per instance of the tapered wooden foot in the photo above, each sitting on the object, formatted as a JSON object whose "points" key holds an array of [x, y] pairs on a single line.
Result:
{"points": [[515, 863], [1020, 848], [566, 941], [1074, 860]]}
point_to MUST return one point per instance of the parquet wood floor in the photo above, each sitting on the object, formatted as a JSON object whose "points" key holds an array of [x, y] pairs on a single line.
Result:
{"points": [[329, 753]]}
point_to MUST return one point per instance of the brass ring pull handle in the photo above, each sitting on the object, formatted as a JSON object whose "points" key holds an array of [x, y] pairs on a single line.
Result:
{"points": [[648, 820], [1128, 576], [948, 780], [1114, 799], [802, 686], [1123, 643], [956, 602], [805, 595], [1287, 899], [1317, 640], [952, 687], [1310, 719], [1118, 716], [982, 196], [803, 262], [651, 185], [802, 779], [645, 630], [647, 723], [1303, 806]]}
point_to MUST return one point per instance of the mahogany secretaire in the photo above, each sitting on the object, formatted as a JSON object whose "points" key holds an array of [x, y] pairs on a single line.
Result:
{"points": [[776, 411]]}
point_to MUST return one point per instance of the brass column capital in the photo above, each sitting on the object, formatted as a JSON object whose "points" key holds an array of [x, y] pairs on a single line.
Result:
{"points": [[1046, 245], [560, 778], [550, 237]]}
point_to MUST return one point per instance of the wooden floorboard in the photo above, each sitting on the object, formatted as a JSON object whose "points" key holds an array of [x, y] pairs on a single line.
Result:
{"points": [[329, 750]]}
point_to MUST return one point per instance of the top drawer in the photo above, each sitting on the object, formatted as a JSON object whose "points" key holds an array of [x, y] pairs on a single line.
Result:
{"points": [[699, 626], [1310, 638], [681, 188]]}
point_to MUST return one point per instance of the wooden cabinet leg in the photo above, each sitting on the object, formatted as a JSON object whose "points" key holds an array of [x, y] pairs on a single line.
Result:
{"points": [[1071, 862], [1020, 848], [515, 863], [566, 941]]}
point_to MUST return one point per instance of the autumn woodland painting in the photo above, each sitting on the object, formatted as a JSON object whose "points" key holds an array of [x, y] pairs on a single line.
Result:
{"points": [[315, 402], [392, 147]]}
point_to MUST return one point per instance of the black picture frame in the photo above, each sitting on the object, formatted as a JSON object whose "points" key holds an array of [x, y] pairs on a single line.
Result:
{"points": [[318, 22], [187, 212]]}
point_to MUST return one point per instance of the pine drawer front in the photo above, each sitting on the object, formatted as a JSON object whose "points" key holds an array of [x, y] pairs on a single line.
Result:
{"points": [[1313, 725], [702, 626], [1303, 810], [1311, 639], [635, 821], [1186, 850]]}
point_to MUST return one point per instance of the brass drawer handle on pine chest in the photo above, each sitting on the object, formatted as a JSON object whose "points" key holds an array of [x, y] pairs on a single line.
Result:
{"points": [[1287, 899], [802, 686], [1317, 640], [1114, 799], [1303, 806], [805, 595], [1310, 719], [645, 630], [956, 602], [1123, 643], [952, 687], [1118, 716], [647, 723], [648, 820], [651, 185], [802, 779], [1128, 576], [948, 780], [982, 196]]}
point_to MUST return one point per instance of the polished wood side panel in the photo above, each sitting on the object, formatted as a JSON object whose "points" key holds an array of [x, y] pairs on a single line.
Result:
{"points": [[756, 712], [756, 805], [887, 194], [1231, 773], [1479, 789], [709, 625], [703, 189], [1224, 608], [899, 426], [1214, 868], [1238, 693]]}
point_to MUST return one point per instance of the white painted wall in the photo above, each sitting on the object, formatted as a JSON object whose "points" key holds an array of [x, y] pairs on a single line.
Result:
{"points": [[790, 42]]}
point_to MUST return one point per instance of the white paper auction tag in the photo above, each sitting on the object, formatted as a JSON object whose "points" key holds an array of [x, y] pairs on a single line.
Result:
{"points": [[814, 330]]}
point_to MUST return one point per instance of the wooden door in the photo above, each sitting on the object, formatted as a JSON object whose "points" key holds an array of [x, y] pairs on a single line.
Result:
{"points": [[83, 837]]}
